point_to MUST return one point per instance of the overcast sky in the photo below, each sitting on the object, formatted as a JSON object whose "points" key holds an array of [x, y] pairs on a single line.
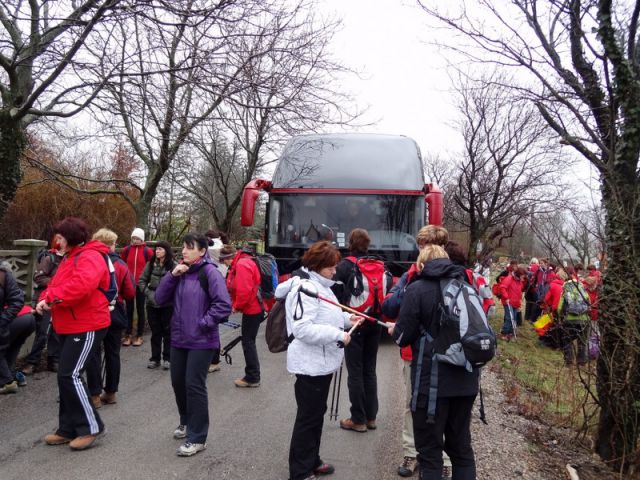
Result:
{"points": [[404, 81]]}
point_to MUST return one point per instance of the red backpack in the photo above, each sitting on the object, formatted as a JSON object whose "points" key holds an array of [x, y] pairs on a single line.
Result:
{"points": [[368, 284]]}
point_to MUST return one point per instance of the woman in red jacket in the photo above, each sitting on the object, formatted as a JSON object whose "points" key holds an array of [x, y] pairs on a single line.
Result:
{"points": [[80, 316], [511, 288], [243, 281]]}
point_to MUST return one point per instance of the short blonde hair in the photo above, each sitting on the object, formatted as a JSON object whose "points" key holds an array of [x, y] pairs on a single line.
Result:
{"points": [[106, 236], [432, 235], [562, 274], [430, 252]]}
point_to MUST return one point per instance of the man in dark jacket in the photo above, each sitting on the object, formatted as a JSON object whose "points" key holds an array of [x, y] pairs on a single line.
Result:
{"points": [[12, 333], [457, 388]]}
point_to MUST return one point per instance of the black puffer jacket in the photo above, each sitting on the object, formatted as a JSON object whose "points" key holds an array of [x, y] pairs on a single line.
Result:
{"points": [[420, 309], [11, 301]]}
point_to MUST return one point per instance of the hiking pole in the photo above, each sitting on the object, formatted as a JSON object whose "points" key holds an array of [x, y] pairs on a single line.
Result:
{"points": [[230, 324], [224, 351], [513, 321], [343, 307], [333, 397]]}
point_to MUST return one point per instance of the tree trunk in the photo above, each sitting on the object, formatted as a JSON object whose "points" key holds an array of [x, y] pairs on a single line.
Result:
{"points": [[618, 381], [13, 142]]}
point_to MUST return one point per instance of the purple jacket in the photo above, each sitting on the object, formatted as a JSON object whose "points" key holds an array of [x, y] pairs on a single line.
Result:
{"points": [[196, 313]]}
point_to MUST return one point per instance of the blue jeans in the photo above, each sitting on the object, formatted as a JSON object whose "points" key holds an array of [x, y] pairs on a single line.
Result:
{"points": [[189, 370], [510, 314]]}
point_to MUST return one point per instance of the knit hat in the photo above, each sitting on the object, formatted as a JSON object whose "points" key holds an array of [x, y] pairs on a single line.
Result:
{"points": [[138, 233]]}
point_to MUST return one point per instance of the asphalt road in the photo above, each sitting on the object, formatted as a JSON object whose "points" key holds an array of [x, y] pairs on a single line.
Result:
{"points": [[248, 437]]}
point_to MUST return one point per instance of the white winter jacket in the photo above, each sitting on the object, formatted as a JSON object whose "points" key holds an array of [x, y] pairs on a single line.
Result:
{"points": [[314, 350]]}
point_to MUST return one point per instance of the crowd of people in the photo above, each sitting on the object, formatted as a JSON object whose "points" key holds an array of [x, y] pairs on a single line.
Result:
{"points": [[566, 296], [185, 302]]}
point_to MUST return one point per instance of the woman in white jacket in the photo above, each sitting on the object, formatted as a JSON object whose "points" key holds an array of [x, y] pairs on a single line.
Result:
{"points": [[314, 354]]}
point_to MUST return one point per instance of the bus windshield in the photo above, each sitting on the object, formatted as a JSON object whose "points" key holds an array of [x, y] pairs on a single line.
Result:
{"points": [[300, 219]]}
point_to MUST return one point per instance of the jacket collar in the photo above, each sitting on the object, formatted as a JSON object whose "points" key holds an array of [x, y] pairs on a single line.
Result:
{"points": [[325, 282]]}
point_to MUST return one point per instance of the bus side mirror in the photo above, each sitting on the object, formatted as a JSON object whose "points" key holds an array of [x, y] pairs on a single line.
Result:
{"points": [[433, 198], [250, 196]]}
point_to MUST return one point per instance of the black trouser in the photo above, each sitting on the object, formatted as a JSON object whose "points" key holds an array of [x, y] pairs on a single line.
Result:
{"points": [[44, 336], [530, 309], [19, 330], [139, 307], [249, 332], [77, 415], [311, 398], [360, 356], [160, 323], [111, 342], [189, 370], [451, 432], [216, 356], [575, 331]]}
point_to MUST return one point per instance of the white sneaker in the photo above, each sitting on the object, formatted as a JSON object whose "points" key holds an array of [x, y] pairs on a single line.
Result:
{"points": [[180, 432], [187, 449], [166, 365]]}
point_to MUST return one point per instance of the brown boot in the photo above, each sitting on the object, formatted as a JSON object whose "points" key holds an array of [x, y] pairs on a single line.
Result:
{"points": [[126, 341], [95, 399], [349, 424], [137, 342], [108, 398], [55, 439], [82, 443]]}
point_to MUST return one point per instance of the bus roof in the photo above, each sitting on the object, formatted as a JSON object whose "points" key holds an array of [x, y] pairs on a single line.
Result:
{"points": [[350, 161]]}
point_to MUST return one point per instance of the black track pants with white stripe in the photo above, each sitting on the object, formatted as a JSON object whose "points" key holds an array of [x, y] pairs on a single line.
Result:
{"points": [[77, 416]]}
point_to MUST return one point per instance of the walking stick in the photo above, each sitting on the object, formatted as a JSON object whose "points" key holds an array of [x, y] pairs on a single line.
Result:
{"points": [[513, 321], [333, 395], [224, 351], [343, 307]]}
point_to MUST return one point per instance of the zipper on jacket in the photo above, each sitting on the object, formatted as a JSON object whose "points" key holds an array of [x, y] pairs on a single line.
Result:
{"points": [[72, 314]]}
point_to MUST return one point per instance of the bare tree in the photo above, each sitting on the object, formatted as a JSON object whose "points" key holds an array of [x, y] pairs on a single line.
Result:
{"points": [[580, 67], [508, 167], [290, 89], [41, 75]]}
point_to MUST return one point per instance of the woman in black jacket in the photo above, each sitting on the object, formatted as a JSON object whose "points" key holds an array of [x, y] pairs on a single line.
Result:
{"points": [[457, 388], [159, 316]]}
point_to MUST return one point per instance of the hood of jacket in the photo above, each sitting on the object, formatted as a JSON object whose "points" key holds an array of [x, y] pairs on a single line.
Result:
{"points": [[441, 268], [90, 245]]}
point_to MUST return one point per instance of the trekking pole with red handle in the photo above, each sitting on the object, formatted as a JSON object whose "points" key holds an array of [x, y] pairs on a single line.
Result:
{"points": [[343, 307]]}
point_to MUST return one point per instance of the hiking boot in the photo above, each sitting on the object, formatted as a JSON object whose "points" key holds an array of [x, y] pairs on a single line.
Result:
{"points": [[52, 366], [180, 432], [126, 341], [166, 365], [153, 364], [28, 369], [97, 403], [324, 469], [214, 367], [108, 398], [371, 425], [84, 442], [55, 439], [11, 387], [188, 449], [506, 336], [242, 383], [408, 467], [446, 472], [349, 424], [137, 342], [21, 380]]}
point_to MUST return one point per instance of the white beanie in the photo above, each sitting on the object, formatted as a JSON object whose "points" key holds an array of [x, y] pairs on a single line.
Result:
{"points": [[138, 232]]}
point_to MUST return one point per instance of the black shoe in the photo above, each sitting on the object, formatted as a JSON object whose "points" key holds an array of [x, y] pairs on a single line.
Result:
{"points": [[52, 366]]}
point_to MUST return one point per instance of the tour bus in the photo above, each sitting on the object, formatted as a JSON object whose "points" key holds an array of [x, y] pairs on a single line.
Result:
{"points": [[326, 185]]}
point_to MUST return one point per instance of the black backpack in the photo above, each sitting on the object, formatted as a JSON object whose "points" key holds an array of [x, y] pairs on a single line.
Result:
{"points": [[465, 338], [276, 335]]}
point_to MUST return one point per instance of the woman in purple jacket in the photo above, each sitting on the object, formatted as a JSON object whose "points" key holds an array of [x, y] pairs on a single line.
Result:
{"points": [[200, 303]]}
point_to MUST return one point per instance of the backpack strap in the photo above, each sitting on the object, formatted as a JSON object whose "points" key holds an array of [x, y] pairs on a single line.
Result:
{"points": [[416, 384]]}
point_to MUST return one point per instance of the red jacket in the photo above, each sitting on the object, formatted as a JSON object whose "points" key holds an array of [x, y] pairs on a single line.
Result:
{"points": [[243, 281], [553, 296], [136, 257], [126, 286], [511, 289], [79, 306]]}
